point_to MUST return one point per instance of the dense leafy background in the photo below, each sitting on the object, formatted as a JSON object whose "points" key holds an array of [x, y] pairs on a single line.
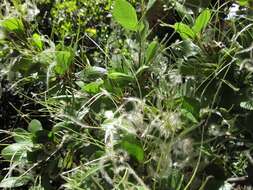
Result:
{"points": [[117, 94]]}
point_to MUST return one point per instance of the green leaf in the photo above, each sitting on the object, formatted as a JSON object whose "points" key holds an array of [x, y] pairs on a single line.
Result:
{"points": [[15, 151], [202, 21], [189, 115], [12, 24], [151, 51], [124, 13], [13, 182], [20, 135], [184, 30], [119, 76], [243, 2], [63, 61], [190, 108], [37, 42], [191, 105], [133, 147], [93, 87], [35, 126]]}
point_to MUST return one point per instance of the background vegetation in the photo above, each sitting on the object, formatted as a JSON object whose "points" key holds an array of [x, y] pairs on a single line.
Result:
{"points": [[126, 94]]}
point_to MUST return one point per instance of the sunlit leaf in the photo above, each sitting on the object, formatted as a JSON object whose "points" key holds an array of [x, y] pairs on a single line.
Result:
{"points": [[119, 76], [12, 24], [93, 87], [91, 31], [21, 135], [202, 21], [63, 61], [243, 2], [15, 151], [184, 30], [37, 41], [124, 13], [35, 126]]}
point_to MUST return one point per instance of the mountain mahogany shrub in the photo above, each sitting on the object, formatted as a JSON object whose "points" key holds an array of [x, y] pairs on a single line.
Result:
{"points": [[141, 116]]}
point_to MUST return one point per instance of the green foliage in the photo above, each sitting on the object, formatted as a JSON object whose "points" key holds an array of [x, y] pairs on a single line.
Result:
{"points": [[124, 13], [184, 30], [201, 22], [12, 24], [93, 87], [133, 147], [15, 151], [151, 51], [245, 2], [37, 41], [34, 126], [64, 59]]}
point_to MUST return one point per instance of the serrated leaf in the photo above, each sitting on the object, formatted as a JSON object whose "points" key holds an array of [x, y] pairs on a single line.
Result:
{"points": [[125, 14], [202, 21], [35, 126]]}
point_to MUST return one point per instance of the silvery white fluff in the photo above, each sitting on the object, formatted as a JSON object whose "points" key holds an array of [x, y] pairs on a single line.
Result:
{"points": [[31, 10], [110, 130], [169, 123], [100, 70], [233, 11], [112, 125], [183, 152]]}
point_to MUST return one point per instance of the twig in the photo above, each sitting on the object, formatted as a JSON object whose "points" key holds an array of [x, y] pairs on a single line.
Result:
{"points": [[237, 179]]}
